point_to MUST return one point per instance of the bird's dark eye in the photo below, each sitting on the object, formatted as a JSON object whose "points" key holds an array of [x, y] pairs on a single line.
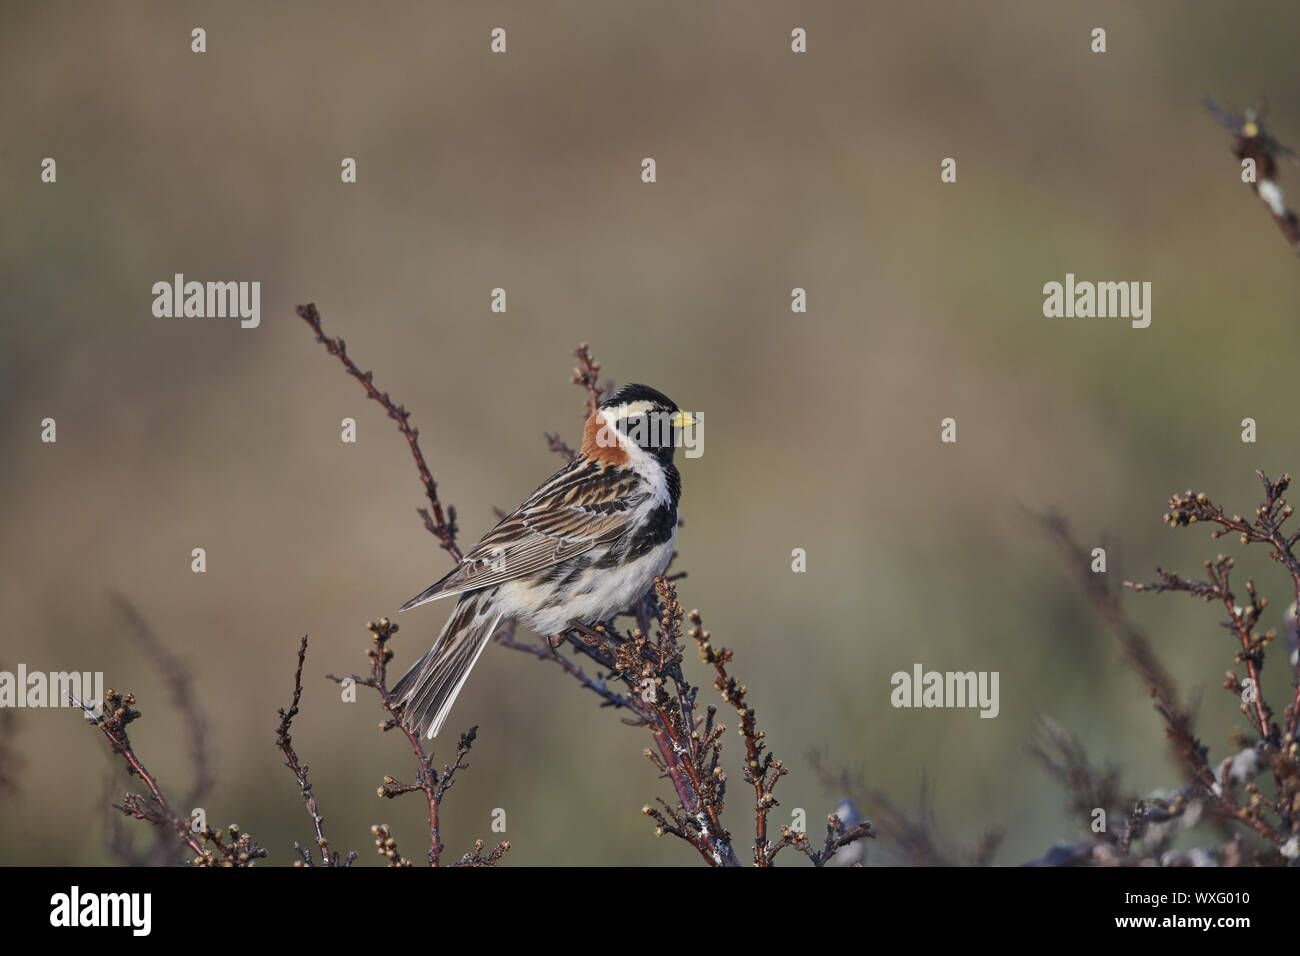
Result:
{"points": [[649, 430], [626, 425]]}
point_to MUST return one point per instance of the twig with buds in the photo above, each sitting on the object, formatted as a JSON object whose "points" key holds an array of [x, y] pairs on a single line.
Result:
{"points": [[427, 779], [183, 697], [285, 742], [443, 528], [587, 374], [1140, 831], [1276, 819], [118, 711], [1212, 789]]}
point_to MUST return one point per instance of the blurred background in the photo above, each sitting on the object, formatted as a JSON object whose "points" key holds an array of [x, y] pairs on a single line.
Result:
{"points": [[522, 171]]}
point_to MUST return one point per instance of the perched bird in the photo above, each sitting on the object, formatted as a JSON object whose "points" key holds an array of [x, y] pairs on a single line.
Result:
{"points": [[1255, 144], [584, 546]]}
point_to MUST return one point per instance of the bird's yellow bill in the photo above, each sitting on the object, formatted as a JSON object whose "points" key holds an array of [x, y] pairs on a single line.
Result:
{"points": [[683, 420]]}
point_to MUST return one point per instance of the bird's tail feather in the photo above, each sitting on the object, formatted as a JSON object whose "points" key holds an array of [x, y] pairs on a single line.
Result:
{"points": [[429, 688]]}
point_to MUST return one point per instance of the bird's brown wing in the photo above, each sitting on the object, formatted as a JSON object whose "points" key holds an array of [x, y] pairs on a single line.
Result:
{"points": [[581, 506]]}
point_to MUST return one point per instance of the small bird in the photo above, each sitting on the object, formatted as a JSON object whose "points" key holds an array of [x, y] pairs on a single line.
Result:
{"points": [[584, 546], [1254, 143]]}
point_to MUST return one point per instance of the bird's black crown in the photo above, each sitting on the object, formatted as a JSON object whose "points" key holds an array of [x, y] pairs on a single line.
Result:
{"points": [[640, 393]]}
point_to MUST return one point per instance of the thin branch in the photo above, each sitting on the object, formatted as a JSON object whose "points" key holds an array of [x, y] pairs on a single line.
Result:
{"points": [[183, 696], [427, 780], [285, 742], [587, 374], [762, 770], [118, 710], [443, 528], [505, 637]]}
